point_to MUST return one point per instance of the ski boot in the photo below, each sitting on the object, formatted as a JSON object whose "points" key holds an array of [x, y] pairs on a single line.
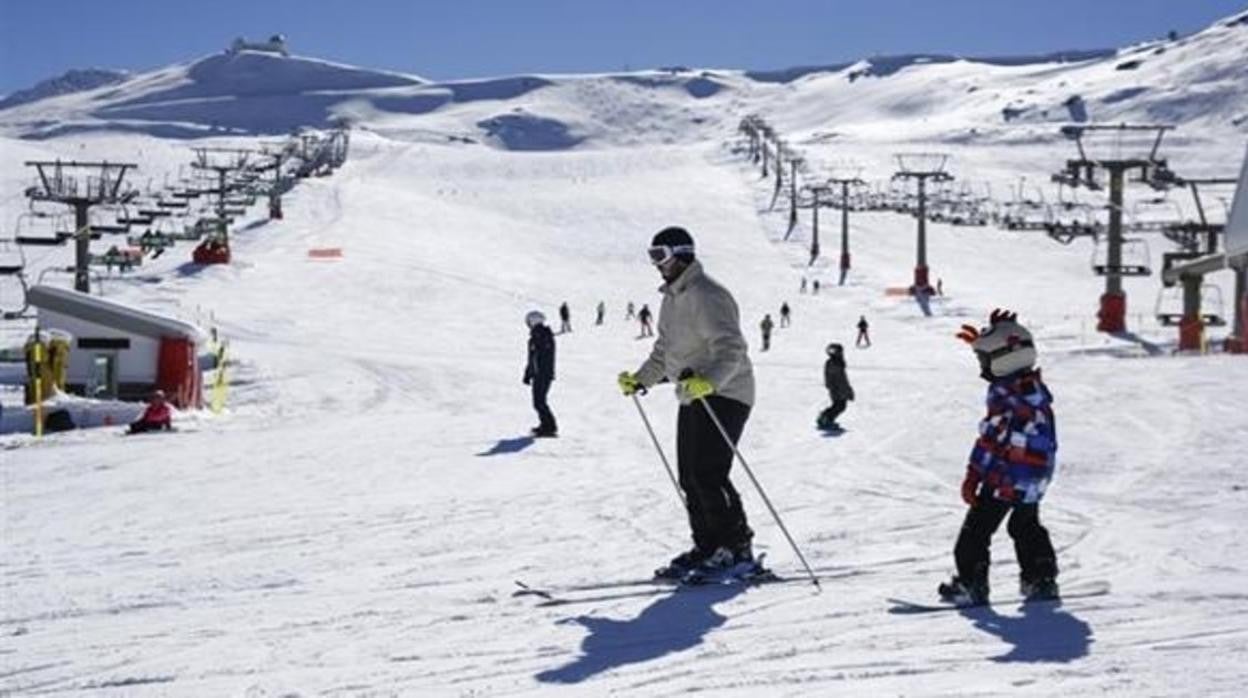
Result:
{"points": [[1042, 589], [724, 564], [964, 593], [543, 433], [681, 565]]}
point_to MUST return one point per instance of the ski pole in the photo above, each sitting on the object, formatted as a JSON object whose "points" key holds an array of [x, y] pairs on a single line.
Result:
{"points": [[666, 466], [724, 433]]}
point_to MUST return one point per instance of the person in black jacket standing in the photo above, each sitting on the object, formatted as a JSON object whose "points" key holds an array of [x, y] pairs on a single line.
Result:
{"points": [[540, 371], [839, 389]]}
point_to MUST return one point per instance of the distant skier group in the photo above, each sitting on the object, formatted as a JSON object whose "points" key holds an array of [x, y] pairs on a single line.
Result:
{"points": [[700, 347]]}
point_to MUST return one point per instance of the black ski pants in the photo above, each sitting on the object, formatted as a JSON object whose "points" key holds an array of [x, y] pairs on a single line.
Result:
{"points": [[1032, 546], [546, 419], [703, 460], [838, 406]]}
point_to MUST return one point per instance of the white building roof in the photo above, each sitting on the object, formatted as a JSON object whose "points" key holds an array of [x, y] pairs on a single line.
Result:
{"points": [[109, 313]]}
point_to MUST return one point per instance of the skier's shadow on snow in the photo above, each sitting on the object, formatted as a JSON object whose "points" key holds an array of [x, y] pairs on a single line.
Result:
{"points": [[1044, 633], [674, 623], [508, 446]]}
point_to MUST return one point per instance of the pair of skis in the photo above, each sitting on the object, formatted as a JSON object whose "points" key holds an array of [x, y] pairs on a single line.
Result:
{"points": [[598, 592]]}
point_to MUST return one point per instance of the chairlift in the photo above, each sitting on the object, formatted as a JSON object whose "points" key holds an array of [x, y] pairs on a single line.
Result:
{"points": [[1169, 306], [97, 281], [124, 258], [1155, 214], [1135, 261], [39, 229], [13, 288]]}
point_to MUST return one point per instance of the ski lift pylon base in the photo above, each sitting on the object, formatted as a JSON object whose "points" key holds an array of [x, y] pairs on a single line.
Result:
{"points": [[1112, 317]]}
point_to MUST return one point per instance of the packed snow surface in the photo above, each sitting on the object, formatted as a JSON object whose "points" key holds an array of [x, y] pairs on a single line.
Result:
{"points": [[356, 520]]}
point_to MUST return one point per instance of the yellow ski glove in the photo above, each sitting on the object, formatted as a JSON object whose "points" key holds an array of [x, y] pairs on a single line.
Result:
{"points": [[695, 388], [629, 385]]}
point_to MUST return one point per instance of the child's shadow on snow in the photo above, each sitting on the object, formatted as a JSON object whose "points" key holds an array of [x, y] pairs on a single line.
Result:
{"points": [[674, 623], [508, 446], [1044, 633]]}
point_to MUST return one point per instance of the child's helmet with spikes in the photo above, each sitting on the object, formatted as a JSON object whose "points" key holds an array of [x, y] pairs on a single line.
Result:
{"points": [[1003, 347]]}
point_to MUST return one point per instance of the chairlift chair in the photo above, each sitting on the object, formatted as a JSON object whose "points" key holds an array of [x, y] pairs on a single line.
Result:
{"points": [[1135, 259], [39, 229], [1169, 306], [12, 278]]}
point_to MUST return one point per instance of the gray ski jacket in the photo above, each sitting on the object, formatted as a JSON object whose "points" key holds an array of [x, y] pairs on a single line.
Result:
{"points": [[700, 330]]}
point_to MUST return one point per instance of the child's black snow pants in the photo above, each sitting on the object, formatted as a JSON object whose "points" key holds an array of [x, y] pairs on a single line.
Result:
{"points": [[1032, 546]]}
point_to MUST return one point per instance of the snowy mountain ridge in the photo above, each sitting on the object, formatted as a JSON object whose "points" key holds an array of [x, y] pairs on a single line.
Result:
{"points": [[1199, 80]]}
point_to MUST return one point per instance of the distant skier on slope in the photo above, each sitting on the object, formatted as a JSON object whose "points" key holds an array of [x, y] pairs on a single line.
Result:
{"points": [[766, 326], [839, 389], [565, 318], [644, 317], [864, 336], [602, 312], [1010, 466], [784, 314], [700, 346], [539, 372]]}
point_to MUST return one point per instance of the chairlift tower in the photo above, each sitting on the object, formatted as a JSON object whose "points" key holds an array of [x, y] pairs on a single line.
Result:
{"points": [[278, 153], [1082, 171], [795, 161], [921, 167], [845, 183], [81, 185], [223, 162]]}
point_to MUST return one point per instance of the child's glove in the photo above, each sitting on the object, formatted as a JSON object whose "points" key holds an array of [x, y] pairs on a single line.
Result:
{"points": [[970, 486], [629, 385], [695, 387]]}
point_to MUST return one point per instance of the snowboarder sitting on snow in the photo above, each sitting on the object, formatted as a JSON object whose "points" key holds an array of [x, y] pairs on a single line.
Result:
{"points": [[539, 372], [700, 346], [156, 417], [837, 383], [1010, 466]]}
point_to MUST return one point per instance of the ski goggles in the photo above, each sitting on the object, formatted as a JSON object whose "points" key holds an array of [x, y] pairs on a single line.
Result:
{"points": [[662, 254]]}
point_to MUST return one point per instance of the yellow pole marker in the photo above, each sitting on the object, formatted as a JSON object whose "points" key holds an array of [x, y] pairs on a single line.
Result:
{"points": [[38, 351]]}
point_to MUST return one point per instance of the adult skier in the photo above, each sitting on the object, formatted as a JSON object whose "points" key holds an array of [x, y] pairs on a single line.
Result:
{"points": [[539, 372], [864, 338], [565, 318], [766, 326], [602, 311], [837, 383], [1010, 466], [700, 346], [784, 314], [643, 317]]}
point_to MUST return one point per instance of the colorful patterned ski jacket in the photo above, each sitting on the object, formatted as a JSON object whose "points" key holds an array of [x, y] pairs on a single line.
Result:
{"points": [[1016, 452]]}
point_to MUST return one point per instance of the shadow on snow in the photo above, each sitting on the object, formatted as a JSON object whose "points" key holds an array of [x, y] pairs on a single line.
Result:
{"points": [[508, 446], [673, 623], [1043, 633]]}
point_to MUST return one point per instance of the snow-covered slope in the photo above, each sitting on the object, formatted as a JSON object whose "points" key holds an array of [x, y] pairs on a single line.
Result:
{"points": [[71, 81], [355, 521]]}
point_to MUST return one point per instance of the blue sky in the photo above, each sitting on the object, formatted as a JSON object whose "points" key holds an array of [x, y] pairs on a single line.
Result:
{"points": [[477, 38]]}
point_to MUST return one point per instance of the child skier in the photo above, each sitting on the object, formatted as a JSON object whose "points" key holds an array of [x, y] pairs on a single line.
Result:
{"points": [[1010, 466], [839, 389]]}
